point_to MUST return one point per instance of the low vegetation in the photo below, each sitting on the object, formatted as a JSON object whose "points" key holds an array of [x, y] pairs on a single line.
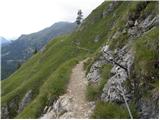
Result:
{"points": [[146, 62], [94, 90], [106, 110]]}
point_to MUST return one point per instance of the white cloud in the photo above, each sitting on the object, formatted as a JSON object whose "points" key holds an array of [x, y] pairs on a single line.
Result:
{"points": [[26, 16]]}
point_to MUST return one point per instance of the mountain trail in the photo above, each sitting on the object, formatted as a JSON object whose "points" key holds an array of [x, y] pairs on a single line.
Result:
{"points": [[77, 89], [73, 103]]}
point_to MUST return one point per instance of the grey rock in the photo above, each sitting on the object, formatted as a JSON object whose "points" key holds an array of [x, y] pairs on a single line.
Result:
{"points": [[60, 109], [149, 110], [94, 73], [12, 103], [116, 35], [11, 106], [130, 23], [124, 31], [133, 31], [114, 89], [142, 26], [4, 112], [26, 99], [43, 49], [97, 38]]}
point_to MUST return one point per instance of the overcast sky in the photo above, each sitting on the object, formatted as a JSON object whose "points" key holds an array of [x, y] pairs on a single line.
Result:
{"points": [[27, 16]]}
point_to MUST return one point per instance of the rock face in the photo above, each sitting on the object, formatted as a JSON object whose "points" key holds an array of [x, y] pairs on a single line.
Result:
{"points": [[94, 73], [4, 112], [122, 62], [114, 88], [64, 108], [27, 98], [10, 109], [138, 27], [149, 107]]}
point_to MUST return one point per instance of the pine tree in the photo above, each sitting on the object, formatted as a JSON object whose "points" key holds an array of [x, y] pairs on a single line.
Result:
{"points": [[35, 51], [79, 17], [18, 65]]}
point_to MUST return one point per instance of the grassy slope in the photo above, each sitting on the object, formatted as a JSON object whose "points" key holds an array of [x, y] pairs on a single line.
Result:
{"points": [[47, 73], [146, 55]]}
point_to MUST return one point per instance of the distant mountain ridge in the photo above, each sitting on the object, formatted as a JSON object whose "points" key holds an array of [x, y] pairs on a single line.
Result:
{"points": [[4, 40], [22, 48]]}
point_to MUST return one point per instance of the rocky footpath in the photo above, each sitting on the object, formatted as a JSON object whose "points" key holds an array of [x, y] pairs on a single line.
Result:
{"points": [[67, 108], [73, 104]]}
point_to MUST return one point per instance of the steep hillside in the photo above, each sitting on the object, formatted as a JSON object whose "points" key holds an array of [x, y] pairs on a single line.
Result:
{"points": [[120, 41], [21, 49]]}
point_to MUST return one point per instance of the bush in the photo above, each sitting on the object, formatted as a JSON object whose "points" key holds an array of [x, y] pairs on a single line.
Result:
{"points": [[92, 92]]}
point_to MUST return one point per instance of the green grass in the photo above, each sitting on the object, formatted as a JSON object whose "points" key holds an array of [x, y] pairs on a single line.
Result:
{"points": [[54, 86], [146, 58], [37, 70], [105, 110], [146, 54]]}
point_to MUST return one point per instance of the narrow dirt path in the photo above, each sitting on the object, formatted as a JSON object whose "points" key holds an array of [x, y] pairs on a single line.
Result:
{"points": [[77, 89], [73, 104]]}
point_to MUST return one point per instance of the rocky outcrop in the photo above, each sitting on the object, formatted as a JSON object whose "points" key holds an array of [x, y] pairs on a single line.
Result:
{"points": [[64, 108], [110, 8], [4, 112], [122, 60], [148, 107], [114, 89], [94, 73], [12, 108], [73, 104], [9, 110], [27, 98], [139, 26]]}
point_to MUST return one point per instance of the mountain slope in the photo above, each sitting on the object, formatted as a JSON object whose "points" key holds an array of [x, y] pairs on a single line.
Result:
{"points": [[4, 41], [21, 49], [120, 39]]}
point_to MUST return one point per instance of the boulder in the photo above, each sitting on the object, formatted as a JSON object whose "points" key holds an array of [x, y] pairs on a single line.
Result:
{"points": [[130, 23], [26, 99]]}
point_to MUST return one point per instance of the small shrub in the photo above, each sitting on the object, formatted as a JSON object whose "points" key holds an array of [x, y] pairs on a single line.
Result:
{"points": [[92, 92]]}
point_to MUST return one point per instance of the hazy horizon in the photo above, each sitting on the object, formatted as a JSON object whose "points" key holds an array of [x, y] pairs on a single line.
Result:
{"points": [[24, 17]]}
